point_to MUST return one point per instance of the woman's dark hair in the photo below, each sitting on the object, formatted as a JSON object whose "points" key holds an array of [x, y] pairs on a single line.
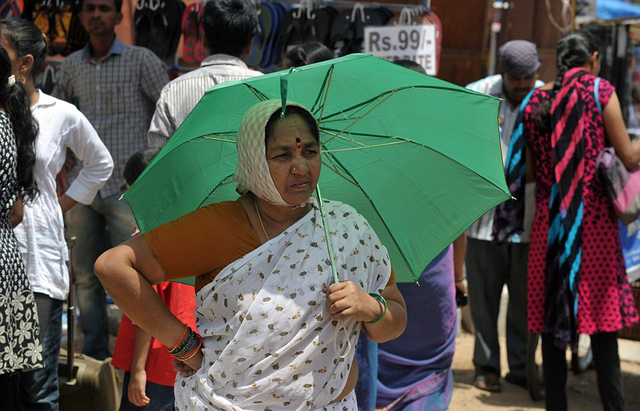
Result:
{"points": [[229, 25], [138, 162], [25, 38], [411, 65], [292, 110], [15, 100], [308, 53], [117, 4], [574, 50]]}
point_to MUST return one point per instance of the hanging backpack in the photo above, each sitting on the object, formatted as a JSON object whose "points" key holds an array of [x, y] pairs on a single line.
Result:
{"points": [[158, 25], [347, 30], [59, 20]]}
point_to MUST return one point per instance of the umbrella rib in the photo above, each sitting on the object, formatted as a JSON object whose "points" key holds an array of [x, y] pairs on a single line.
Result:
{"points": [[221, 183], [326, 92], [406, 140], [341, 150], [368, 112], [375, 209], [322, 90], [257, 93], [335, 135], [217, 139], [364, 103], [333, 167]]}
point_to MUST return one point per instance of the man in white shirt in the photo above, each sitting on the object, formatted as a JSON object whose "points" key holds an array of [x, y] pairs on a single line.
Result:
{"points": [[229, 27], [491, 264]]}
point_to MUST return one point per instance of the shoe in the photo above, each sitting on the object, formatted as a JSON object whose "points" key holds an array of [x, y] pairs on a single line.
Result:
{"points": [[515, 380], [489, 381]]}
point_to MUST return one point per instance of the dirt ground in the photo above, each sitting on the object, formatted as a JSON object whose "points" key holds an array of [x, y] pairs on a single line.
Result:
{"points": [[581, 389]]}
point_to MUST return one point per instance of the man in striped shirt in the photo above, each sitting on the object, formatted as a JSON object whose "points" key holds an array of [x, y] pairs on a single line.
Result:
{"points": [[116, 87], [229, 26], [490, 265]]}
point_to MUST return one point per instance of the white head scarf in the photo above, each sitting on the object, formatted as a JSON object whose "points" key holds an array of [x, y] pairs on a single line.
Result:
{"points": [[252, 171]]}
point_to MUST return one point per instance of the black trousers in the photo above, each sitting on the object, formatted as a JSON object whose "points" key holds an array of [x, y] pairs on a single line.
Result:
{"points": [[607, 364], [9, 385]]}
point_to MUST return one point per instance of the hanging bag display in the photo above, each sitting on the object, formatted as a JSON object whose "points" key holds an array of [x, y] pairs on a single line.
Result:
{"points": [[59, 20], [622, 186], [347, 29], [158, 24], [9, 8]]}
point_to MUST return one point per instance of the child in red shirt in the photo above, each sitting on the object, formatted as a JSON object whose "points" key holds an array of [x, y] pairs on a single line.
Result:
{"points": [[149, 375]]}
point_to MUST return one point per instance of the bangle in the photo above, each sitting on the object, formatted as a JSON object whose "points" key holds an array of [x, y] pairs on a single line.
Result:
{"points": [[193, 353], [382, 301], [459, 280], [186, 327]]}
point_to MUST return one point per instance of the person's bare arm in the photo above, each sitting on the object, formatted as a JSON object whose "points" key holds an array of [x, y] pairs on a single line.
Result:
{"points": [[459, 253], [138, 381], [127, 272], [66, 203], [617, 134], [17, 213]]}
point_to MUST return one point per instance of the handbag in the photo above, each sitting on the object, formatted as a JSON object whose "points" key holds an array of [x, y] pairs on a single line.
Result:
{"points": [[622, 186]]}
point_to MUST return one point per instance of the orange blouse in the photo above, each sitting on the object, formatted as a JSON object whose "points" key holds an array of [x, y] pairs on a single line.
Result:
{"points": [[204, 242]]}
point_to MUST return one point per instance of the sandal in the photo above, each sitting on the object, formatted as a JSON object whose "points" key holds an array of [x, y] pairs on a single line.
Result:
{"points": [[489, 381]]}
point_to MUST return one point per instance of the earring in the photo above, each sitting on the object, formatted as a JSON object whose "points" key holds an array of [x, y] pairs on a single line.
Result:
{"points": [[21, 78]]}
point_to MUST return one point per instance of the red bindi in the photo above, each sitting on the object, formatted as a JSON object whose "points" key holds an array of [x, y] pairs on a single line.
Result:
{"points": [[298, 141]]}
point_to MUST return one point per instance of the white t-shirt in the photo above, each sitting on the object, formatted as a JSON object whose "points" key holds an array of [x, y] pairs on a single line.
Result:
{"points": [[41, 233]]}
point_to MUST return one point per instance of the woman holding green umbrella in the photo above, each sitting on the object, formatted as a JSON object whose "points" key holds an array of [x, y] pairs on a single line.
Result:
{"points": [[275, 331]]}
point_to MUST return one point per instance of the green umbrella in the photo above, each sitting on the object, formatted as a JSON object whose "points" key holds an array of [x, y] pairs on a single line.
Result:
{"points": [[420, 158]]}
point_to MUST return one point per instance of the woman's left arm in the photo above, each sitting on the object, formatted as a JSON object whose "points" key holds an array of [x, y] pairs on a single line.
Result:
{"points": [[347, 300]]}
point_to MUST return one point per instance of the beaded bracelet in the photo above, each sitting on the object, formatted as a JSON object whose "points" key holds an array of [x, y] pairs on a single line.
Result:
{"points": [[194, 352], [381, 300], [184, 344], [188, 346]]}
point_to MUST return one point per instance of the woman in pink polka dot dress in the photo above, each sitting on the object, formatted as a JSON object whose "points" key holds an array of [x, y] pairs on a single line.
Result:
{"points": [[577, 282]]}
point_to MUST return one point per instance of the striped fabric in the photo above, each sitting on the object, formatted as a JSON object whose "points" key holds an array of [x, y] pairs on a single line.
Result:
{"points": [[566, 205], [509, 216], [117, 94], [180, 96], [492, 85]]}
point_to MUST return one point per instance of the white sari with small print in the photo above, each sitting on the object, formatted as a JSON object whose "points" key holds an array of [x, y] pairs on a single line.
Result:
{"points": [[268, 337]]}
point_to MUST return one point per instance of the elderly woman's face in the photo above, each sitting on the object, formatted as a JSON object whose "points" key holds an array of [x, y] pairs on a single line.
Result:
{"points": [[294, 159]]}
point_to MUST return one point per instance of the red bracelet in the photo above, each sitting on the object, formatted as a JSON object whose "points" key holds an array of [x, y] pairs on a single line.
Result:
{"points": [[186, 327]]}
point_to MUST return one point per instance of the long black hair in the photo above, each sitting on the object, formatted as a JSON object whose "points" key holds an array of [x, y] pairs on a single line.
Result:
{"points": [[25, 38], [574, 50], [15, 100], [308, 53]]}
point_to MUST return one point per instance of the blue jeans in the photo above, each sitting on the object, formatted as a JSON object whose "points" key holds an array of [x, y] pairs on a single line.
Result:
{"points": [[161, 397], [39, 388], [105, 223]]}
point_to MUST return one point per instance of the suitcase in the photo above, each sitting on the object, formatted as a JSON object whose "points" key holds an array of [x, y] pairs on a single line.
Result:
{"points": [[84, 382]]}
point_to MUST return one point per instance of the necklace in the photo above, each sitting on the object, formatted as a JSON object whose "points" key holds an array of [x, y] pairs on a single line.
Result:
{"points": [[255, 204]]}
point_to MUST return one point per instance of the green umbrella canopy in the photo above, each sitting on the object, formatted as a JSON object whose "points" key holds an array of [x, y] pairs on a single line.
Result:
{"points": [[420, 158]]}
